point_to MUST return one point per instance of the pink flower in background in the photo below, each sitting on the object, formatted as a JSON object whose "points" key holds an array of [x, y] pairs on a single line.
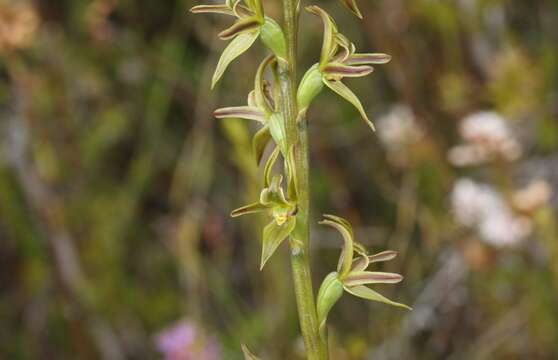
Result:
{"points": [[186, 341]]}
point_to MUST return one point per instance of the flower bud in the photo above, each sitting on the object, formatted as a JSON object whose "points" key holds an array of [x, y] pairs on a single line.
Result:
{"points": [[330, 291], [272, 36], [310, 86]]}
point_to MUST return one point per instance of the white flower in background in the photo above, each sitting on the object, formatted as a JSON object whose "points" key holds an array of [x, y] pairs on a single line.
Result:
{"points": [[481, 207], [535, 195], [504, 228], [398, 128], [469, 200], [487, 136]]}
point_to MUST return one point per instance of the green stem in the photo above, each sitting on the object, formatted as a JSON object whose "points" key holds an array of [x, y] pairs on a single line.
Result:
{"points": [[300, 240]]}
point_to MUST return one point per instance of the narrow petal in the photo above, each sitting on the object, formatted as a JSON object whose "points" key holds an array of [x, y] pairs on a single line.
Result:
{"points": [[237, 46], [347, 46], [259, 143], [360, 264], [362, 59], [341, 56], [341, 221], [338, 70], [248, 209], [383, 256], [269, 166], [360, 249], [241, 26], [273, 236], [371, 277], [242, 11], [242, 112], [248, 354], [346, 93], [343, 226], [259, 84], [351, 5], [329, 44], [216, 9], [369, 294]]}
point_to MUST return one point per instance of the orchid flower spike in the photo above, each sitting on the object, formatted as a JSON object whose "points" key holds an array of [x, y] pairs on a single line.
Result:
{"points": [[251, 23], [338, 60], [351, 275]]}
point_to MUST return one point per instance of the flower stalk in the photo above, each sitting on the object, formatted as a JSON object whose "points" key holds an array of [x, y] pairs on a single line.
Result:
{"points": [[297, 135], [279, 105]]}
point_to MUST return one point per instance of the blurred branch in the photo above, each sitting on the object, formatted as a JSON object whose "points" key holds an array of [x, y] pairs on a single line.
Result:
{"points": [[48, 209], [447, 282], [502, 331]]}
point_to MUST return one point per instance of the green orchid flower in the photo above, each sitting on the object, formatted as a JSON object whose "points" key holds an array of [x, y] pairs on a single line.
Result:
{"points": [[261, 107], [275, 203], [251, 23], [338, 60], [351, 275]]}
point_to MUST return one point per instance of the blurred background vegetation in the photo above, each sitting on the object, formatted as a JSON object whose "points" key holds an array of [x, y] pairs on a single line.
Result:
{"points": [[116, 184]]}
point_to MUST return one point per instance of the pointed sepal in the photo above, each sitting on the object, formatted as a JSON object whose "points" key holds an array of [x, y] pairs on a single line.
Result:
{"points": [[342, 90], [343, 226], [352, 6], [273, 235], [236, 47], [249, 209], [329, 45], [364, 292], [215, 9]]}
